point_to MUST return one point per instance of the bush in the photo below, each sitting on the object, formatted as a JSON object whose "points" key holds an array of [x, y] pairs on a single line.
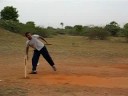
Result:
{"points": [[41, 31], [10, 25], [97, 33], [21, 28]]}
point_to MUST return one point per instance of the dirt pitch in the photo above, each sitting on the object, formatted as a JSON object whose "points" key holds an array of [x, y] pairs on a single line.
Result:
{"points": [[69, 79]]}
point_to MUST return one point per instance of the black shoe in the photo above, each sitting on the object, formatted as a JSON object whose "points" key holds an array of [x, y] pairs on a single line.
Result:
{"points": [[54, 68], [33, 72]]}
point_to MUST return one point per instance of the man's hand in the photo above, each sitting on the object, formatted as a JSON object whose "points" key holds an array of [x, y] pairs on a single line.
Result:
{"points": [[26, 57], [48, 44]]}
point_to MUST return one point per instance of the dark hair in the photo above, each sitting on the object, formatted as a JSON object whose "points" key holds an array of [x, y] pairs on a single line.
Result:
{"points": [[27, 33]]}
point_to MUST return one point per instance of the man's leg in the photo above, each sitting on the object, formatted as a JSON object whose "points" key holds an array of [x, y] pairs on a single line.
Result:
{"points": [[48, 58], [35, 59]]}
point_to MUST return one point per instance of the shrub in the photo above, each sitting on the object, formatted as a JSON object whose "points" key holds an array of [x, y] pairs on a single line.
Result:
{"points": [[97, 33], [10, 25]]}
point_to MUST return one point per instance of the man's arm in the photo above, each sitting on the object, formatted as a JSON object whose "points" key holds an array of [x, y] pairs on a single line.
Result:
{"points": [[43, 39]]}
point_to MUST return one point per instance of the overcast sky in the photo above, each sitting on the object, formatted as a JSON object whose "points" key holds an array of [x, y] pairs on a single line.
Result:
{"points": [[70, 12]]}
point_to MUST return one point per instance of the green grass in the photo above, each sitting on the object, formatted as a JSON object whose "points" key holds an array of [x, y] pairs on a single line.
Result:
{"points": [[67, 46], [11, 43], [81, 46]]}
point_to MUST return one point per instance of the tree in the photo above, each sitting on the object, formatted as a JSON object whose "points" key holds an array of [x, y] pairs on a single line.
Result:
{"points": [[9, 13], [78, 28], [62, 24], [68, 27], [30, 23], [113, 28], [49, 27], [126, 31]]}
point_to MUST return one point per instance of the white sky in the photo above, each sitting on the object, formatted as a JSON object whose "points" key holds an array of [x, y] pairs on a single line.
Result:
{"points": [[70, 12]]}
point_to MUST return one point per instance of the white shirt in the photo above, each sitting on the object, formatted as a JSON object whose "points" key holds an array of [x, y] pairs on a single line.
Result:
{"points": [[35, 43]]}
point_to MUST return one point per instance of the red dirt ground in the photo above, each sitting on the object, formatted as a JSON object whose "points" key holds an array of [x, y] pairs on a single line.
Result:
{"points": [[86, 77]]}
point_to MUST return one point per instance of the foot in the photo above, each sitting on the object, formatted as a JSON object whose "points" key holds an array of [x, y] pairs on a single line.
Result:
{"points": [[38, 64], [54, 68], [33, 72]]}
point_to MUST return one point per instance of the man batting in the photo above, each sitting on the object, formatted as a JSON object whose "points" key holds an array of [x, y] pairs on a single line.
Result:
{"points": [[39, 48]]}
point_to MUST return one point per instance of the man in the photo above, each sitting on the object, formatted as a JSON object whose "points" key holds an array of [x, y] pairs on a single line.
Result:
{"points": [[39, 48]]}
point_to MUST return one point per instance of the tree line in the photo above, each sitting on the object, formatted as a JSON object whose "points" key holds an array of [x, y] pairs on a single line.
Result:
{"points": [[9, 21]]}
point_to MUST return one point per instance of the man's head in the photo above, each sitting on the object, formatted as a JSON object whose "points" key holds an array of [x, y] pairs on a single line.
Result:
{"points": [[28, 35]]}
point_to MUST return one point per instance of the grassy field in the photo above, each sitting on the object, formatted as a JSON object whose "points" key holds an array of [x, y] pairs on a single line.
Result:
{"points": [[68, 45], [68, 49], [75, 57], [11, 42]]}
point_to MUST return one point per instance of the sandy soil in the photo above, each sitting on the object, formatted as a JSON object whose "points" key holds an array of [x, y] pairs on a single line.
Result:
{"points": [[78, 77]]}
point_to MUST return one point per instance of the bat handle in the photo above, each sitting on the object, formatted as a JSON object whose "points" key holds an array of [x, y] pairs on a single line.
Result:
{"points": [[25, 69]]}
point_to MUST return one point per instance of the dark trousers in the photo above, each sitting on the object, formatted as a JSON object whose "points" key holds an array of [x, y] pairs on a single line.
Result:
{"points": [[36, 56]]}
